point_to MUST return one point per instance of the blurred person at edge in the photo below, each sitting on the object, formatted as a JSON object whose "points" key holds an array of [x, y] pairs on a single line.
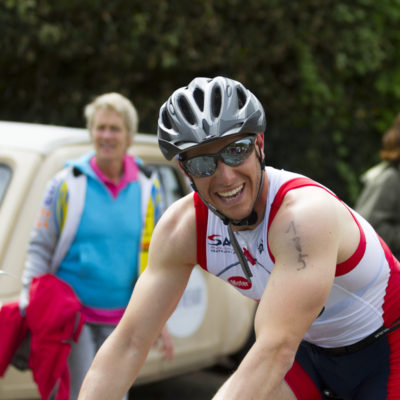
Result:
{"points": [[109, 239], [379, 201]]}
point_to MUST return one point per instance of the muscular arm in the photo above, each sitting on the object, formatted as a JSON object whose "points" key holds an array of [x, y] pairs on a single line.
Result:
{"points": [[171, 259], [306, 240]]}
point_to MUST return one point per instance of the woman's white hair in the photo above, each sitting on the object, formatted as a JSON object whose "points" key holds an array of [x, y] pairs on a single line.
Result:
{"points": [[118, 103]]}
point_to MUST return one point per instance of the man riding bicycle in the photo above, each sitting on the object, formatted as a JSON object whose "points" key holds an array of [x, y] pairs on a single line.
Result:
{"points": [[328, 287]]}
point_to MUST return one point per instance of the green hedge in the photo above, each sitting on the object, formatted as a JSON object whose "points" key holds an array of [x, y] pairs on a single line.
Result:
{"points": [[328, 73]]}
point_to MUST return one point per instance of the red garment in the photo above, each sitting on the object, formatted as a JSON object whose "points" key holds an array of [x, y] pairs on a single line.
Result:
{"points": [[54, 320], [13, 329]]}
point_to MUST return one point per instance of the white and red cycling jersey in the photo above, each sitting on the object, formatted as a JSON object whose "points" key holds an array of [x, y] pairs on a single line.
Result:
{"points": [[366, 291]]}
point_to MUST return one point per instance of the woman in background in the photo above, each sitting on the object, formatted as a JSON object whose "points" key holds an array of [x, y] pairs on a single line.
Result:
{"points": [[94, 228], [379, 201]]}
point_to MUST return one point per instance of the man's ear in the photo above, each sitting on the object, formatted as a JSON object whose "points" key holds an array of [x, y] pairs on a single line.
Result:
{"points": [[188, 176], [260, 143]]}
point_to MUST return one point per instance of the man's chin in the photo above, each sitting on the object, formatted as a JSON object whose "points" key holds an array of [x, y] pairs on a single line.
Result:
{"points": [[235, 217]]}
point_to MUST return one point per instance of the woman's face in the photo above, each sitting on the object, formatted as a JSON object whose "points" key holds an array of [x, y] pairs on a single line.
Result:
{"points": [[110, 136]]}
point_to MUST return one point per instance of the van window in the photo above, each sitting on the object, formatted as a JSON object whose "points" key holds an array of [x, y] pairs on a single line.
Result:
{"points": [[5, 178]]}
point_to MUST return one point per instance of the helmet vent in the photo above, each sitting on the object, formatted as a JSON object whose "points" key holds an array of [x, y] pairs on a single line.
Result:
{"points": [[165, 119], [186, 110], [198, 95], [241, 97], [216, 101]]}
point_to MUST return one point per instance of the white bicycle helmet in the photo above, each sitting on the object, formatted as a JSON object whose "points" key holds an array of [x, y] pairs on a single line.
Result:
{"points": [[205, 110]]}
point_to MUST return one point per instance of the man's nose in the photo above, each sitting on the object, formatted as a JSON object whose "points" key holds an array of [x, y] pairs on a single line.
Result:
{"points": [[224, 171]]}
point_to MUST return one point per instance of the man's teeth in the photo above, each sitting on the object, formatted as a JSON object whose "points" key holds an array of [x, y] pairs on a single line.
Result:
{"points": [[232, 193]]}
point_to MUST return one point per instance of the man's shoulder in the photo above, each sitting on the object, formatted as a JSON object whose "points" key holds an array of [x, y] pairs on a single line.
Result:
{"points": [[183, 208], [308, 220], [179, 213], [311, 202]]}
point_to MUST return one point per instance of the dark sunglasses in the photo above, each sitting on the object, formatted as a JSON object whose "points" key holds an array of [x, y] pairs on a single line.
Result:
{"points": [[233, 155]]}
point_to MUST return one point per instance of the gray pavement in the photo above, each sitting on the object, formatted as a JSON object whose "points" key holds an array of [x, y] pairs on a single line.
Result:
{"points": [[200, 385]]}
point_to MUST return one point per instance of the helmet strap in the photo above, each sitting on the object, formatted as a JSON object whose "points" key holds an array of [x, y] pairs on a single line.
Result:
{"points": [[238, 250]]}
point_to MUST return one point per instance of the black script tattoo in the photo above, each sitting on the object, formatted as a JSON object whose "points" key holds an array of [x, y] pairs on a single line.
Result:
{"points": [[296, 240]]}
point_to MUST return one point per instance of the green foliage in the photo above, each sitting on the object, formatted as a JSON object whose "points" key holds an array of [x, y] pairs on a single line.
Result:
{"points": [[327, 73]]}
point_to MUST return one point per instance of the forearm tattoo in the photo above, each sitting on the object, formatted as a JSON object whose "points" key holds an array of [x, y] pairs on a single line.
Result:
{"points": [[301, 257]]}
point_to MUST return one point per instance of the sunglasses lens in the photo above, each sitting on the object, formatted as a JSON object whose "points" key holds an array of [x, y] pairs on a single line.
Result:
{"points": [[235, 153], [200, 166]]}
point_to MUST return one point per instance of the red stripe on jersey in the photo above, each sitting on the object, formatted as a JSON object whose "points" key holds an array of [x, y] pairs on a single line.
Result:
{"points": [[346, 266], [390, 314], [393, 385], [391, 300], [201, 229]]}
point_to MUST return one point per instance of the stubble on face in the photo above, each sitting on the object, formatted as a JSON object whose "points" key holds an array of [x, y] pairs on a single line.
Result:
{"points": [[232, 190]]}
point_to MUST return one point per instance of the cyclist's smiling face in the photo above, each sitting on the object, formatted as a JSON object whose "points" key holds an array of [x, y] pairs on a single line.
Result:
{"points": [[232, 190]]}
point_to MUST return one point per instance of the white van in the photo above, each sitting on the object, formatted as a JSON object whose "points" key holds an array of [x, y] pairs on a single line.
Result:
{"points": [[203, 334]]}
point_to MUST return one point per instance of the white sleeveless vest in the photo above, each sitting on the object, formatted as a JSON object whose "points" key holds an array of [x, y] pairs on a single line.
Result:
{"points": [[356, 305]]}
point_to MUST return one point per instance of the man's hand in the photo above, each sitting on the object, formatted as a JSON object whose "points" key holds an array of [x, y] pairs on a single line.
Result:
{"points": [[165, 344]]}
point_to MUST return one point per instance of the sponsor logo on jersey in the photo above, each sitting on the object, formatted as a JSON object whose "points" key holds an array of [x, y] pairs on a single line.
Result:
{"points": [[240, 282], [217, 240], [219, 244]]}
